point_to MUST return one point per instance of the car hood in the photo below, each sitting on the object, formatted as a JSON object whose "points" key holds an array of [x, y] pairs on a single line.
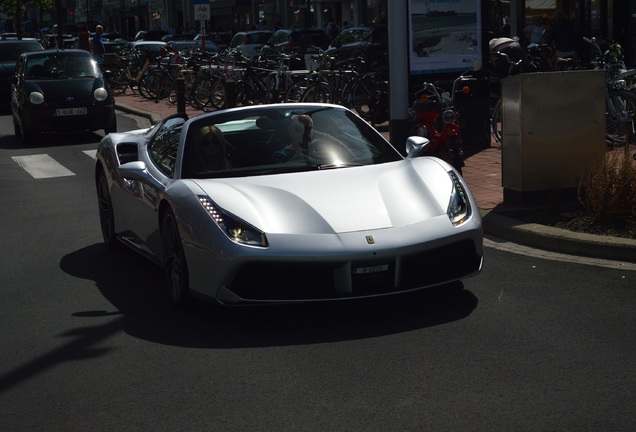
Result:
{"points": [[337, 201]]}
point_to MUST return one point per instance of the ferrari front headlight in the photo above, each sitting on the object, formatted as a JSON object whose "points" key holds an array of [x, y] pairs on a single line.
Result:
{"points": [[459, 205], [100, 94], [236, 229], [36, 98]]}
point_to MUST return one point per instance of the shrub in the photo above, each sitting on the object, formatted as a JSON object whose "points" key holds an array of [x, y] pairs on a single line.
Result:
{"points": [[608, 192]]}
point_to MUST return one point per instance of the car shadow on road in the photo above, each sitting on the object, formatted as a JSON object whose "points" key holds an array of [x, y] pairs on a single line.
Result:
{"points": [[135, 287]]}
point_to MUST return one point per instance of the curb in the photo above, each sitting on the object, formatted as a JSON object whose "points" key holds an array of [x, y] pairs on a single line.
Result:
{"points": [[559, 240], [534, 235]]}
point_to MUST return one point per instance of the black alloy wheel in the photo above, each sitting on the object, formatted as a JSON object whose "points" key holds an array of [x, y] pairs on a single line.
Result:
{"points": [[174, 261], [106, 214]]}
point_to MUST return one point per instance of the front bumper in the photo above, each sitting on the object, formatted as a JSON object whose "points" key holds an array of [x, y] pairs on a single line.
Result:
{"points": [[45, 119]]}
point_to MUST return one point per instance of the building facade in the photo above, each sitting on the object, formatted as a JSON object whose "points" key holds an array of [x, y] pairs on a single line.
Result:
{"points": [[608, 19]]}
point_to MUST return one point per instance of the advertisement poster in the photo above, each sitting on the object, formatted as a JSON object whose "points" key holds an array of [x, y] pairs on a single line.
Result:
{"points": [[445, 35]]}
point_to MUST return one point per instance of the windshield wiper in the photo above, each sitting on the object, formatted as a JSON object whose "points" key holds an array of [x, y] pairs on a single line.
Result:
{"points": [[338, 165]]}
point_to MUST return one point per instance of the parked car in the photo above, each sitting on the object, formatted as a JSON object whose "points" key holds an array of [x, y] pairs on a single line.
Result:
{"points": [[152, 35], [113, 37], [9, 36], [346, 217], [220, 39], [300, 44], [60, 91], [183, 47], [10, 51], [152, 48], [369, 43], [250, 43], [50, 41]]}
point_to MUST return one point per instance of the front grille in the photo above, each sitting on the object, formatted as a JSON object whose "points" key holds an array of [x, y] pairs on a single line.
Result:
{"points": [[432, 267], [308, 281]]}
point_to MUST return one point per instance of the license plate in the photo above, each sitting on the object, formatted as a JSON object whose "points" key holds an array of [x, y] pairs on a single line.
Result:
{"points": [[371, 269], [60, 112]]}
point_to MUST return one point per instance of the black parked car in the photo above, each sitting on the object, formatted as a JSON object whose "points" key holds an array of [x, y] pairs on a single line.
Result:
{"points": [[300, 44], [10, 50], [368, 43], [60, 91]]}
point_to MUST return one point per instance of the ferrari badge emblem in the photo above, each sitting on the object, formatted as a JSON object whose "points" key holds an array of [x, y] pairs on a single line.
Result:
{"points": [[370, 240]]}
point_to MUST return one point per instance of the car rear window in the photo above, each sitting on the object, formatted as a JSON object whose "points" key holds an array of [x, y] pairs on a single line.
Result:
{"points": [[258, 38], [9, 51], [310, 38]]}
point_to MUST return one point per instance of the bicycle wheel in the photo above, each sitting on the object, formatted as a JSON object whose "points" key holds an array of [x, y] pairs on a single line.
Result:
{"points": [[361, 95], [619, 118], [496, 122], [201, 93], [151, 84], [118, 82], [295, 92], [319, 92], [217, 94], [141, 86]]}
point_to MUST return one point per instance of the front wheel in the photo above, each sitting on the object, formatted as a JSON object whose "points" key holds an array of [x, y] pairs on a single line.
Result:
{"points": [[106, 214], [174, 261], [496, 122], [620, 119]]}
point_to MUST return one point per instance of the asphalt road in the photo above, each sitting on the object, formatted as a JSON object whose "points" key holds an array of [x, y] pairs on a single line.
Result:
{"points": [[90, 343]]}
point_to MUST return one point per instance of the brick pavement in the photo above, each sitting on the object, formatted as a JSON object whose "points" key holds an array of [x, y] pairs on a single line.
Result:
{"points": [[482, 171]]}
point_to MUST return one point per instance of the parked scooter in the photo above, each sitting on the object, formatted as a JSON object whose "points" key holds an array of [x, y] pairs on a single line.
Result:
{"points": [[433, 117]]}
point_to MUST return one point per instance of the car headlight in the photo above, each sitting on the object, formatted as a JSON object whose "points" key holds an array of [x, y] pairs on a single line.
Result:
{"points": [[36, 98], [100, 94], [236, 229], [459, 206], [449, 116]]}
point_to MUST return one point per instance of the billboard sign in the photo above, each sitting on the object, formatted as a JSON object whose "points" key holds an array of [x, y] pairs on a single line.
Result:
{"points": [[445, 35]]}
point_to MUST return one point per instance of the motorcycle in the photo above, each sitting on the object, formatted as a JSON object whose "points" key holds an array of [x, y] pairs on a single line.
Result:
{"points": [[433, 117]]}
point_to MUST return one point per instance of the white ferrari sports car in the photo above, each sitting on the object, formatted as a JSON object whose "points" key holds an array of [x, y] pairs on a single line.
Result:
{"points": [[285, 203]]}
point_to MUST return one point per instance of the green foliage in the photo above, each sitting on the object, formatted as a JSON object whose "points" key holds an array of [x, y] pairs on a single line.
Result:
{"points": [[609, 191], [9, 6]]}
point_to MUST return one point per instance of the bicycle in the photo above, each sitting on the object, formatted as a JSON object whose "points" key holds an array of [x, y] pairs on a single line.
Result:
{"points": [[620, 101]]}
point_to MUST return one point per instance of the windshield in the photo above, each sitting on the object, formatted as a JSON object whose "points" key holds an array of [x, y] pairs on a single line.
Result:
{"points": [[281, 139], [61, 65]]}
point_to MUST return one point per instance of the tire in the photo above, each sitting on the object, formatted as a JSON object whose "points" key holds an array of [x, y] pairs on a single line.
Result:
{"points": [[201, 93], [319, 93], [620, 128], [119, 82], [141, 86], [217, 94], [16, 128], [106, 213], [496, 122], [295, 92], [111, 127], [361, 95], [174, 261], [26, 135]]}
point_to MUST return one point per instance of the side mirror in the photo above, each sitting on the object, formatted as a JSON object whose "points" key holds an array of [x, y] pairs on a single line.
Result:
{"points": [[416, 145]]}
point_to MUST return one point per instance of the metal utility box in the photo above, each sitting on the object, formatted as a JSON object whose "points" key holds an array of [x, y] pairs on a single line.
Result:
{"points": [[553, 128]]}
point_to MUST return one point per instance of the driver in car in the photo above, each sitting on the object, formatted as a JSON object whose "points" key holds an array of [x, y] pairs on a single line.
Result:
{"points": [[299, 133]]}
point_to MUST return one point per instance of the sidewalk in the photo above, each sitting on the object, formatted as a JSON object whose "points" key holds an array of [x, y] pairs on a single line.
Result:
{"points": [[483, 176]]}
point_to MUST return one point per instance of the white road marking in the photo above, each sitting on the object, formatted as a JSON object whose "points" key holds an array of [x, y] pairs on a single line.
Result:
{"points": [[91, 153], [42, 166], [504, 245]]}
